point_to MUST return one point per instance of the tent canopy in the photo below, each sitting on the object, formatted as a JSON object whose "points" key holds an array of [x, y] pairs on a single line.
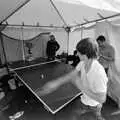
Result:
{"points": [[56, 12], [8, 8], [52, 15]]}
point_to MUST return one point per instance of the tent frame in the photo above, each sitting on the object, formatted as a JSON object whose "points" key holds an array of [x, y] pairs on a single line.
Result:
{"points": [[97, 20], [66, 27], [14, 11], [6, 63], [5, 58]]}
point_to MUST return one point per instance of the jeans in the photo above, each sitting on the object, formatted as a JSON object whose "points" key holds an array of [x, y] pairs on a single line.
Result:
{"points": [[96, 110]]}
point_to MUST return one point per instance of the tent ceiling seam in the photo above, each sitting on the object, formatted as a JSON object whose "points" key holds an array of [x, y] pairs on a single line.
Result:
{"points": [[97, 20], [58, 12], [17, 25]]}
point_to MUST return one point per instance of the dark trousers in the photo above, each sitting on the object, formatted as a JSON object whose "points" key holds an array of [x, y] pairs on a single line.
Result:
{"points": [[106, 70]]}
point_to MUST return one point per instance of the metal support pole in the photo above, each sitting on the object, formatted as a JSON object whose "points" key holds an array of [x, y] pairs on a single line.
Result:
{"points": [[5, 58], [68, 29], [23, 49]]}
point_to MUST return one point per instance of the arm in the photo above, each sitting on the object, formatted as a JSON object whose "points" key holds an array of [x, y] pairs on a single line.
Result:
{"points": [[110, 55], [57, 46], [108, 58], [53, 85]]}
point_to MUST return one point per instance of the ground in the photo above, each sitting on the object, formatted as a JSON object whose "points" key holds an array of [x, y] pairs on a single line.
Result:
{"points": [[34, 109]]}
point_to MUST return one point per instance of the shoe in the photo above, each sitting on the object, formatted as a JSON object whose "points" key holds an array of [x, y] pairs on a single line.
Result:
{"points": [[16, 115], [11, 118]]}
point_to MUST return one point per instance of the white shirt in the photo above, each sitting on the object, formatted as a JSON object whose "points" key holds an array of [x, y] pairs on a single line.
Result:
{"points": [[96, 80]]}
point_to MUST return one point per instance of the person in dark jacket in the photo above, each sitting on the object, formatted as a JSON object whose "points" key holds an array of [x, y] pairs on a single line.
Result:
{"points": [[52, 48], [73, 58]]}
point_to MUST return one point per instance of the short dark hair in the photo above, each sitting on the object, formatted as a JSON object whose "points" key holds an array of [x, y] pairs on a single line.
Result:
{"points": [[52, 36], [101, 38], [87, 47]]}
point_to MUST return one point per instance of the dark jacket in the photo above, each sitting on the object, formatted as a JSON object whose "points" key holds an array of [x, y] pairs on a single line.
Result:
{"points": [[52, 47]]}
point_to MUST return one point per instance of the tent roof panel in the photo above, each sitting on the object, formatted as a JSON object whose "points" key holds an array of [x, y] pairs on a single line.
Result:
{"points": [[77, 13], [35, 11], [44, 13], [8, 7]]}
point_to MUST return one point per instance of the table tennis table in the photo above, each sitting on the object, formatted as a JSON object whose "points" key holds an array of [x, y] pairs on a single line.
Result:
{"points": [[36, 75]]}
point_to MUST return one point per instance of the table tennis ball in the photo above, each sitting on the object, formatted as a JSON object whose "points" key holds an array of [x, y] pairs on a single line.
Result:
{"points": [[26, 101], [42, 76]]}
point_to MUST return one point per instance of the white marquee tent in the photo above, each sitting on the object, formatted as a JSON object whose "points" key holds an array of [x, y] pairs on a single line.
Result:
{"points": [[68, 20], [55, 15]]}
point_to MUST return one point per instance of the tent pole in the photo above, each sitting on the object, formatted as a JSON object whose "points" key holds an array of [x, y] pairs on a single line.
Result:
{"points": [[97, 20], [81, 32], [68, 29], [17, 25], [23, 49], [68, 43], [58, 12], [5, 58]]}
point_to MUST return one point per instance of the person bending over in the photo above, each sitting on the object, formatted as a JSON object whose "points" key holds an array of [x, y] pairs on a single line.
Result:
{"points": [[73, 58]]}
